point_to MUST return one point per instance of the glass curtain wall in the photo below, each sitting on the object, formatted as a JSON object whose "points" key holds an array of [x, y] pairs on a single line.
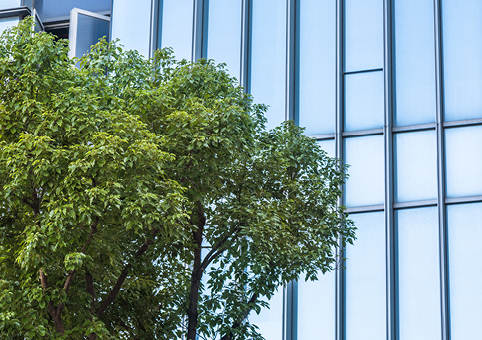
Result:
{"points": [[391, 87]]}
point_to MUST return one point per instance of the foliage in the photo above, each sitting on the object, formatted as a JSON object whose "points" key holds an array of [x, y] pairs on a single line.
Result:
{"points": [[145, 199]]}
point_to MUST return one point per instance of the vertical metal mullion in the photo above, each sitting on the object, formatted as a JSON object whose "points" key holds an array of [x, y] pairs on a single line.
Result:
{"points": [[289, 311], [390, 230], [197, 29], [340, 275], [245, 45], [290, 59], [444, 296], [155, 25]]}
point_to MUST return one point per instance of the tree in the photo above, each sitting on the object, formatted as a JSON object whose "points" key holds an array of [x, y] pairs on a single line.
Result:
{"points": [[145, 199]]}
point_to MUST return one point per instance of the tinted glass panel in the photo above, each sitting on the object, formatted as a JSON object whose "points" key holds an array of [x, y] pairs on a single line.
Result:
{"points": [[316, 308], [317, 66], [268, 57], [462, 51], [89, 31], [7, 23], [224, 33], [365, 186], [364, 101], [365, 279], [50, 9], [363, 34], [465, 266], [415, 62], [4, 4], [270, 321], [415, 166], [176, 32], [464, 161], [329, 146], [418, 274], [131, 22]]}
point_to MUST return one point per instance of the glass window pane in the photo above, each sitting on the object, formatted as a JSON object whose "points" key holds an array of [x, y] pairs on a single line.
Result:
{"points": [[270, 321], [462, 53], [363, 34], [131, 23], [59, 10], [465, 268], [463, 147], [415, 62], [329, 146], [224, 33], [365, 186], [366, 279], [316, 308], [415, 166], [176, 32], [7, 23], [268, 58], [418, 274], [89, 31], [317, 66], [364, 104], [7, 4]]}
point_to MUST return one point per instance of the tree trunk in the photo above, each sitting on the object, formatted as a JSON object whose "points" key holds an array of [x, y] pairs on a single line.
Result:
{"points": [[196, 276]]}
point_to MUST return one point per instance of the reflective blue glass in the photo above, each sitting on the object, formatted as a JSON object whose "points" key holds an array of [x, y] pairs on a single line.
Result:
{"points": [[366, 279], [131, 23], [316, 308], [7, 23], [270, 321], [366, 185], [415, 166], [268, 58], [329, 146], [176, 31], [317, 66], [463, 153], [89, 31], [224, 33], [462, 58], [414, 62], [364, 104], [363, 34], [464, 224], [418, 274], [6, 4], [48, 9]]}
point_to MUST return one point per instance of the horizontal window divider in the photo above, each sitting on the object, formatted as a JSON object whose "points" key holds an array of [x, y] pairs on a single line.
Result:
{"points": [[415, 204], [323, 137], [363, 132], [466, 199], [466, 122], [366, 208], [363, 71], [418, 127], [13, 12]]}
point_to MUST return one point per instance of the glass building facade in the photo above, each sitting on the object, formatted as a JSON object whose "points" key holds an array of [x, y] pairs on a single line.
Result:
{"points": [[391, 87]]}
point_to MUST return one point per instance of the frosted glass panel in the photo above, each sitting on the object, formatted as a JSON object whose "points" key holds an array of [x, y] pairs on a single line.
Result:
{"points": [[464, 161], [464, 224], [365, 279], [7, 4], [317, 66], [329, 146], [270, 321], [176, 32], [418, 274], [363, 34], [268, 58], [415, 166], [131, 23], [414, 62], [364, 105], [462, 51], [7, 23], [224, 33], [365, 186], [316, 308]]}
